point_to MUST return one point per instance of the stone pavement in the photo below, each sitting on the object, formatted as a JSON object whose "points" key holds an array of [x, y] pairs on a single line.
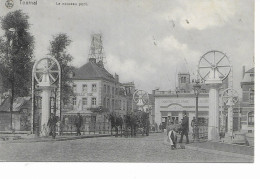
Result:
{"points": [[215, 147], [107, 149]]}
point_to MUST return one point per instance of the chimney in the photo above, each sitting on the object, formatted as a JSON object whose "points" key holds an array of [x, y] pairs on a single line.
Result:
{"points": [[243, 72], [100, 64], [93, 60], [117, 78]]}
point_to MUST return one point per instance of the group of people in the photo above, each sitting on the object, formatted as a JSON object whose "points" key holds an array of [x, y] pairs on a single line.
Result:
{"points": [[53, 120], [183, 129]]}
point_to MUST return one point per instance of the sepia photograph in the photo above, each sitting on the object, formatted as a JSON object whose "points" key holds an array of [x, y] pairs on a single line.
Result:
{"points": [[127, 81]]}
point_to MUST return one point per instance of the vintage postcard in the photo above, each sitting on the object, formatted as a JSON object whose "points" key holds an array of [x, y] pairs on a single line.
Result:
{"points": [[140, 81]]}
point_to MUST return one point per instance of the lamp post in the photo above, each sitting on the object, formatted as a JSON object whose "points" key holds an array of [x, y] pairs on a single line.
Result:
{"points": [[196, 89], [12, 32]]}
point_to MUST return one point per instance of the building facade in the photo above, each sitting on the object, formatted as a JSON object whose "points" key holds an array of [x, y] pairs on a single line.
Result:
{"points": [[169, 105], [247, 102], [97, 93]]}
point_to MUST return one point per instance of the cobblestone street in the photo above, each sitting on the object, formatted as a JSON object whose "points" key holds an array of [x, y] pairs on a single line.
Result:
{"points": [[106, 149]]}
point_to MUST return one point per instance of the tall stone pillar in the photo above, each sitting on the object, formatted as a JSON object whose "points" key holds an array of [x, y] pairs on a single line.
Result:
{"points": [[46, 94], [213, 123], [46, 87], [230, 105]]}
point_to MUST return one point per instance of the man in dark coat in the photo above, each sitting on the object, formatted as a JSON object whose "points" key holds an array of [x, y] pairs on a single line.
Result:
{"points": [[78, 123], [52, 125], [184, 127]]}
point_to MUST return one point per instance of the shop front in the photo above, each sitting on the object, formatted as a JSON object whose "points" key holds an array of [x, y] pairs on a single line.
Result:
{"points": [[170, 108]]}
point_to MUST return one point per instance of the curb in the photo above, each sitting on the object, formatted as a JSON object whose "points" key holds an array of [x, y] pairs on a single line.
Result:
{"points": [[50, 139]]}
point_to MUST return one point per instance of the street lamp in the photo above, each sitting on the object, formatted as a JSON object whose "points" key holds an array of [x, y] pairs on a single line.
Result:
{"points": [[12, 31], [196, 89]]}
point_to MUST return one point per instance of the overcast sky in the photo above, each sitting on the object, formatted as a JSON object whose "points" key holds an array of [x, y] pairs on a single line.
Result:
{"points": [[150, 41]]}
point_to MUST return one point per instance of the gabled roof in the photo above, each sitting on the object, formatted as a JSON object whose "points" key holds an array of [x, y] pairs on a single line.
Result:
{"points": [[17, 104], [91, 71]]}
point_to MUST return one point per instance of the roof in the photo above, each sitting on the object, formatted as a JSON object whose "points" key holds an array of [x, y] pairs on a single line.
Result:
{"points": [[18, 103], [247, 78], [91, 71], [252, 70]]}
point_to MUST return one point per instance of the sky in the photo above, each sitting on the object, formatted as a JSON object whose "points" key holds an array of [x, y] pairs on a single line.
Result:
{"points": [[148, 42]]}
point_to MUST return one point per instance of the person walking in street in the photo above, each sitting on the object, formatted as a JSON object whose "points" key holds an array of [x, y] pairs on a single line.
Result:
{"points": [[78, 123], [52, 125], [172, 135], [185, 127]]}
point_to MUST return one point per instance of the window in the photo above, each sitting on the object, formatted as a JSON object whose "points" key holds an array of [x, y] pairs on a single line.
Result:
{"points": [[251, 96], [108, 103], [65, 101], [108, 89], [183, 79], [52, 102], [84, 101], [104, 102], [113, 105], [94, 87], [116, 91], [113, 90], [251, 118], [123, 105], [120, 105], [84, 88], [74, 101], [105, 88], [252, 77], [74, 88], [39, 102], [94, 101]]}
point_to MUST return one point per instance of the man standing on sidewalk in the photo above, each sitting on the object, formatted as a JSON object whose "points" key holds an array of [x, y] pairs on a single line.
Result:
{"points": [[185, 127], [78, 123]]}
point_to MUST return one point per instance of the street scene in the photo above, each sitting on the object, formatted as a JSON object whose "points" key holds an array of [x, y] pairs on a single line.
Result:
{"points": [[97, 81]]}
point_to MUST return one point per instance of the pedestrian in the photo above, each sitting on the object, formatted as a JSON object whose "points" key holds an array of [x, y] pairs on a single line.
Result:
{"points": [[52, 125], [78, 123], [184, 127], [172, 135]]}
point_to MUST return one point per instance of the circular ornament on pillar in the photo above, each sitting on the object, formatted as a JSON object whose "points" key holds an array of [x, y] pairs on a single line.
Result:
{"points": [[214, 65], [141, 98], [46, 70], [230, 96]]}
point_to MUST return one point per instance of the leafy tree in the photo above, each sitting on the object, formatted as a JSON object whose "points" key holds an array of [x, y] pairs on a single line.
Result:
{"points": [[16, 54], [58, 50]]}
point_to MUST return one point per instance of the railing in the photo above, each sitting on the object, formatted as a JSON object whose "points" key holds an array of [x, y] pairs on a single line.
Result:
{"points": [[86, 128]]}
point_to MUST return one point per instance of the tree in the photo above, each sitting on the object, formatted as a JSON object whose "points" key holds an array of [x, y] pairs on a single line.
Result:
{"points": [[58, 50], [16, 54]]}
